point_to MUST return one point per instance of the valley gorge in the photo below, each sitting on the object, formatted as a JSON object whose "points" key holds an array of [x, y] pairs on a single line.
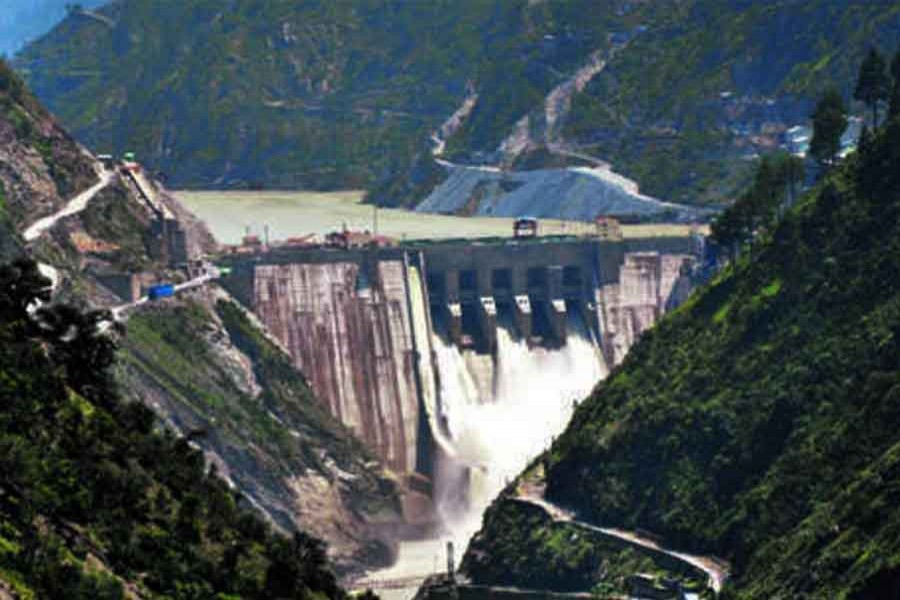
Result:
{"points": [[419, 351], [451, 300]]}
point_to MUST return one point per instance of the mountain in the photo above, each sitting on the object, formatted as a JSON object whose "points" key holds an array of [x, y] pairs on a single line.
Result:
{"points": [[40, 164], [205, 368], [676, 95], [23, 21], [756, 425], [97, 504]]}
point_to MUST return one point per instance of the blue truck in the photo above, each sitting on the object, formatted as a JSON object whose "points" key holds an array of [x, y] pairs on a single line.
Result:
{"points": [[166, 290]]}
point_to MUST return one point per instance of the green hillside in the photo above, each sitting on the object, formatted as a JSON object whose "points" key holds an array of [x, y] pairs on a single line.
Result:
{"points": [[759, 422], [317, 94], [95, 503], [720, 80], [275, 442], [346, 94]]}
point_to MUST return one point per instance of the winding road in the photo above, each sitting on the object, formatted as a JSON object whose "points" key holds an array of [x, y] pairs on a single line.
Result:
{"points": [[716, 569], [72, 207], [78, 204]]}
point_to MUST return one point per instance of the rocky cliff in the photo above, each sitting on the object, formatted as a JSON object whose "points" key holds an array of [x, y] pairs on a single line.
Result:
{"points": [[40, 164]]}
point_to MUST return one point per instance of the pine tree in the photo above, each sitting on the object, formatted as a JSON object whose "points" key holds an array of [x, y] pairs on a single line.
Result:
{"points": [[829, 123], [865, 140], [894, 108], [793, 172], [895, 67], [873, 85]]}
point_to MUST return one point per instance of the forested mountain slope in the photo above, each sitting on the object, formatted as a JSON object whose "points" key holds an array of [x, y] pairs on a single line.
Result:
{"points": [[97, 504], [761, 421], [347, 94], [202, 365]]}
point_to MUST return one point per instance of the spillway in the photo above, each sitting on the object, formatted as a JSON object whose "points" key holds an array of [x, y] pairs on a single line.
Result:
{"points": [[458, 362], [533, 391]]}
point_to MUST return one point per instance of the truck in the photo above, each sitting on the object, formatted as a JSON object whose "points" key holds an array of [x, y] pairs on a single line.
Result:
{"points": [[525, 227], [157, 292]]}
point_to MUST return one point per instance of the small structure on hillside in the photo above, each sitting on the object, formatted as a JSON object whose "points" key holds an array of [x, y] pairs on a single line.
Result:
{"points": [[108, 160], [644, 585]]}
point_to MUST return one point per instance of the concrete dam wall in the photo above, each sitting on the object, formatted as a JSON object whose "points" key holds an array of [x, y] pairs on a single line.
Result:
{"points": [[404, 344], [349, 331]]}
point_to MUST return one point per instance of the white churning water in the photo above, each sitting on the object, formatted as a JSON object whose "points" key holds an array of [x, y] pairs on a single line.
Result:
{"points": [[534, 391], [494, 415]]}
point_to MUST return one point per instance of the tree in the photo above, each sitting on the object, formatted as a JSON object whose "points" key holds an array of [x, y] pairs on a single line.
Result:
{"points": [[894, 108], [865, 140], [79, 346], [895, 67], [829, 124], [23, 286], [794, 174], [873, 85], [774, 187]]}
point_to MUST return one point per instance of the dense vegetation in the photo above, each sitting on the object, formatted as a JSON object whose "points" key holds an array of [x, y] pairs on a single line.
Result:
{"points": [[181, 356], [775, 187], [559, 556], [282, 94], [760, 421], [709, 85], [94, 501], [345, 94]]}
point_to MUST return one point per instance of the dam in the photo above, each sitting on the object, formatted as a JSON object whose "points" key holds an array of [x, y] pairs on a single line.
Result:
{"points": [[456, 361]]}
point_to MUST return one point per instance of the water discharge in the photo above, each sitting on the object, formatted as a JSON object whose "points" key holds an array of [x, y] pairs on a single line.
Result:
{"points": [[494, 414], [533, 391]]}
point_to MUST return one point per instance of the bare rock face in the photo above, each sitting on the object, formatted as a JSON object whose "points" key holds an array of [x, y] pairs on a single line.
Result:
{"points": [[41, 166]]}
